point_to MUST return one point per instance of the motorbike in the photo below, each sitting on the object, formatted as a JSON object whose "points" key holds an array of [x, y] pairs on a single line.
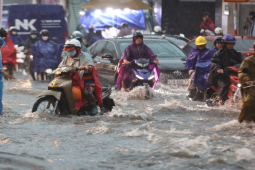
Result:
{"points": [[61, 96], [143, 75], [234, 89]]}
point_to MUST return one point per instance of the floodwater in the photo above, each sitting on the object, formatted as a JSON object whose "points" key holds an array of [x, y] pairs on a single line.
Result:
{"points": [[165, 132]]}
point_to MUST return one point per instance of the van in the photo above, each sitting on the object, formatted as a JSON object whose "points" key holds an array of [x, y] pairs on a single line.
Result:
{"points": [[27, 17]]}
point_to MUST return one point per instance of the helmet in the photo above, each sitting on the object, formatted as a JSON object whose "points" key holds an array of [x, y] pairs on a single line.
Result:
{"points": [[3, 33], [124, 24], [72, 43], [137, 34], [200, 40], [33, 32], [218, 40], [218, 30], [157, 29], [13, 28], [228, 39], [77, 34], [206, 13], [45, 32], [77, 95]]}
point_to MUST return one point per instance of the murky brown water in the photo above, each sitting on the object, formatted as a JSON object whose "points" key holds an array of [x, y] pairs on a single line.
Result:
{"points": [[166, 132]]}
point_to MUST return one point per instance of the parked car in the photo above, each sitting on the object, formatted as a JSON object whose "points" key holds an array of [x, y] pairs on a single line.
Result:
{"points": [[176, 39], [244, 44], [172, 58]]}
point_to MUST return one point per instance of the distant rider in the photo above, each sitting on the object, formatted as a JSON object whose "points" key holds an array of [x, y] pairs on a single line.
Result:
{"points": [[124, 30], [207, 23], [134, 51], [87, 74], [46, 53], [222, 59], [33, 38], [195, 54], [16, 39], [96, 38]]}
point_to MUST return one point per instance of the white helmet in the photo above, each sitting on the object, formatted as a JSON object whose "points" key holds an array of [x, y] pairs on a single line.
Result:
{"points": [[72, 43], [218, 30], [157, 29]]}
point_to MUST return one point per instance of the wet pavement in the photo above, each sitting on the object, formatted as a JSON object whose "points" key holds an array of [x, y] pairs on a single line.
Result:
{"points": [[165, 132]]}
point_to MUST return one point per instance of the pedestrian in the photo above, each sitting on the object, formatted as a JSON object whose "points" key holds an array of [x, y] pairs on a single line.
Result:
{"points": [[207, 23], [16, 39], [3, 74], [252, 18], [248, 94], [96, 38], [247, 26], [124, 30], [91, 34]]}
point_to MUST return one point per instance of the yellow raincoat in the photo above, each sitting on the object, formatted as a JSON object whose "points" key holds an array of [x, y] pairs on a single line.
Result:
{"points": [[248, 95]]}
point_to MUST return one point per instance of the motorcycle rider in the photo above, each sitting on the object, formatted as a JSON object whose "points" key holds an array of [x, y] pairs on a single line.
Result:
{"points": [[88, 75], [134, 51], [16, 39], [222, 59], [46, 53], [217, 43], [3, 74], [33, 38], [96, 38], [207, 23], [90, 35], [195, 54], [248, 94]]}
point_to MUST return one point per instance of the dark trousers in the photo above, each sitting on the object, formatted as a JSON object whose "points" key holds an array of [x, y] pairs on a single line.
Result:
{"points": [[223, 85]]}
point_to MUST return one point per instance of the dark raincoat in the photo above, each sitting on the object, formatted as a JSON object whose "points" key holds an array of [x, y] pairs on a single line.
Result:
{"points": [[30, 41], [46, 55], [132, 52], [95, 39], [221, 60], [124, 31], [90, 35], [248, 95]]}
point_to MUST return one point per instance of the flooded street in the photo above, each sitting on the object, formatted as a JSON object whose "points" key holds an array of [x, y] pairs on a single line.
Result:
{"points": [[166, 132]]}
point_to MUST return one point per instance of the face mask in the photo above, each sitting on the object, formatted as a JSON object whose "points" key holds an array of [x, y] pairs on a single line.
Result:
{"points": [[14, 32], [72, 53], [45, 38], [33, 36]]}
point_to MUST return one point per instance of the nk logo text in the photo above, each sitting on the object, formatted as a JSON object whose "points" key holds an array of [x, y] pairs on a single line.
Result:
{"points": [[25, 24]]}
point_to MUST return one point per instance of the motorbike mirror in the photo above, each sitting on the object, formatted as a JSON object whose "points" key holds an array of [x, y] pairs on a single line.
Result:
{"points": [[247, 70], [93, 56], [76, 59], [154, 56], [107, 56]]}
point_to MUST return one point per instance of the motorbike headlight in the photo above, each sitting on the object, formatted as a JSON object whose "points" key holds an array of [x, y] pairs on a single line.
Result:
{"points": [[146, 64], [139, 77], [151, 77], [239, 85]]}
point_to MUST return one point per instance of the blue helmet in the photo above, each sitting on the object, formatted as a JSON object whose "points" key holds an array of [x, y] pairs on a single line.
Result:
{"points": [[229, 39]]}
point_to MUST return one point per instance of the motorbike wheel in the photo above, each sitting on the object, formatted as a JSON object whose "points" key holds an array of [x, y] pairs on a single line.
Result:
{"points": [[46, 104], [215, 98]]}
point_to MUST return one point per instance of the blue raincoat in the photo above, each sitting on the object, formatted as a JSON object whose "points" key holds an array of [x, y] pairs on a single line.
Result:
{"points": [[203, 67], [16, 39], [95, 39], [194, 56], [46, 55]]}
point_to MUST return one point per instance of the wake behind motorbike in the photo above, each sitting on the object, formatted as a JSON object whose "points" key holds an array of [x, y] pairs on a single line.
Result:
{"points": [[61, 96], [143, 75]]}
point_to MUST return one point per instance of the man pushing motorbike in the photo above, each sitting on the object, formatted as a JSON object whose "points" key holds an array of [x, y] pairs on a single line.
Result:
{"points": [[222, 59], [136, 50], [86, 77], [246, 76]]}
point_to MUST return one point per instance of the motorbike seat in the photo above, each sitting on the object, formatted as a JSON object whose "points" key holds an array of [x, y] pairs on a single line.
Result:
{"points": [[104, 89]]}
